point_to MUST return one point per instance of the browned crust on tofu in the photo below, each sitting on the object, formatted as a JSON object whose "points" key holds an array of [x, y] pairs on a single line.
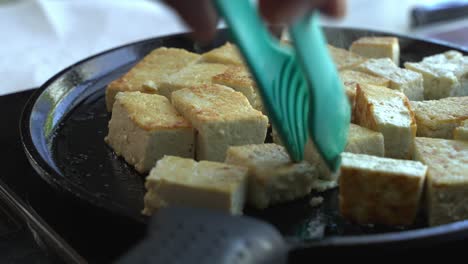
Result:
{"points": [[226, 54], [234, 76], [414, 125], [345, 59], [146, 74], [151, 111], [364, 109], [398, 212], [438, 118], [215, 103], [355, 77]]}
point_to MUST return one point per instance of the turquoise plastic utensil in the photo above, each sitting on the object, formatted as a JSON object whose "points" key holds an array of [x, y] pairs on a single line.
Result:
{"points": [[302, 95]]}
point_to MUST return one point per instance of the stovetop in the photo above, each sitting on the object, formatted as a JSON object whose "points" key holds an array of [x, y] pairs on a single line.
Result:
{"points": [[66, 229]]}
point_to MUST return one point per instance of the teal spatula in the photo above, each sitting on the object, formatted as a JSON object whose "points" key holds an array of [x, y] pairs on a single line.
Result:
{"points": [[300, 87]]}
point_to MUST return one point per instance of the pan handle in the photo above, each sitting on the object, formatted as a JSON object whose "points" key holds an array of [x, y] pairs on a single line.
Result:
{"points": [[189, 235]]}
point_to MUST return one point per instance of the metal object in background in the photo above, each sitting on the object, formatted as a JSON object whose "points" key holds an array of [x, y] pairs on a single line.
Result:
{"points": [[422, 15]]}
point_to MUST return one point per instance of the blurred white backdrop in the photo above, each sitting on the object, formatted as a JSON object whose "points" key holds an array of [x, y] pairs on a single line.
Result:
{"points": [[41, 37]]}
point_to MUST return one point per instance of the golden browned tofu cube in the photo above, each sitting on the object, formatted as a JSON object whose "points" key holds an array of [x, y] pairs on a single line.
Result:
{"points": [[147, 74], [273, 177], [193, 75], [438, 118], [388, 112], [226, 54], [345, 60], [222, 117], [447, 178], [145, 127], [376, 190], [377, 47], [461, 132], [176, 181], [239, 79]]}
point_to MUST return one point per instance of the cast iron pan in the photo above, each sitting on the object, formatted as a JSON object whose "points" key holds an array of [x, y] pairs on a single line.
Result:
{"points": [[64, 124]]}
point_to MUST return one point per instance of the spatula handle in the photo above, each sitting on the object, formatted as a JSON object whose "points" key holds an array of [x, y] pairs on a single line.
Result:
{"points": [[250, 34], [325, 88]]}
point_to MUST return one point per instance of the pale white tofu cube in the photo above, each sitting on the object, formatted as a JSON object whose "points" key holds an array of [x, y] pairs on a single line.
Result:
{"points": [[408, 82], [362, 140], [444, 75], [176, 181], [388, 112]]}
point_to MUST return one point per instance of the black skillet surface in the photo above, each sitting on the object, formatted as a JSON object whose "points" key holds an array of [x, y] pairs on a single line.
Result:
{"points": [[65, 122]]}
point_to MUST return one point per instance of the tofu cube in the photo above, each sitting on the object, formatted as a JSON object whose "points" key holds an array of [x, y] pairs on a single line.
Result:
{"points": [[345, 60], [388, 112], [438, 118], [145, 127], [352, 78], [408, 82], [273, 177], [239, 79], [327, 179], [377, 47], [226, 54], [447, 178], [222, 117], [376, 190], [444, 75], [192, 75], [176, 181], [360, 140], [461, 132], [365, 141], [147, 74]]}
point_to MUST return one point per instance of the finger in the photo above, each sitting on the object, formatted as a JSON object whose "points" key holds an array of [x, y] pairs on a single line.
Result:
{"points": [[198, 15], [281, 11], [335, 8]]}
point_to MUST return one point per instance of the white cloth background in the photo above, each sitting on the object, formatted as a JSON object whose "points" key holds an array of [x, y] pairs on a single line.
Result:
{"points": [[38, 38]]}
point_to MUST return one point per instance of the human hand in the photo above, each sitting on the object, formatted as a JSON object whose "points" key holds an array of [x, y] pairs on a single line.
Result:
{"points": [[201, 16]]}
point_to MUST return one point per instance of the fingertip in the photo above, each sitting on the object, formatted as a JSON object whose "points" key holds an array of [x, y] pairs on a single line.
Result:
{"points": [[200, 16], [280, 11], [335, 8]]}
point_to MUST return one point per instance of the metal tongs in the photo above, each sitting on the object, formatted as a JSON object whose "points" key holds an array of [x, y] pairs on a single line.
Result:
{"points": [[300, 87]]}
